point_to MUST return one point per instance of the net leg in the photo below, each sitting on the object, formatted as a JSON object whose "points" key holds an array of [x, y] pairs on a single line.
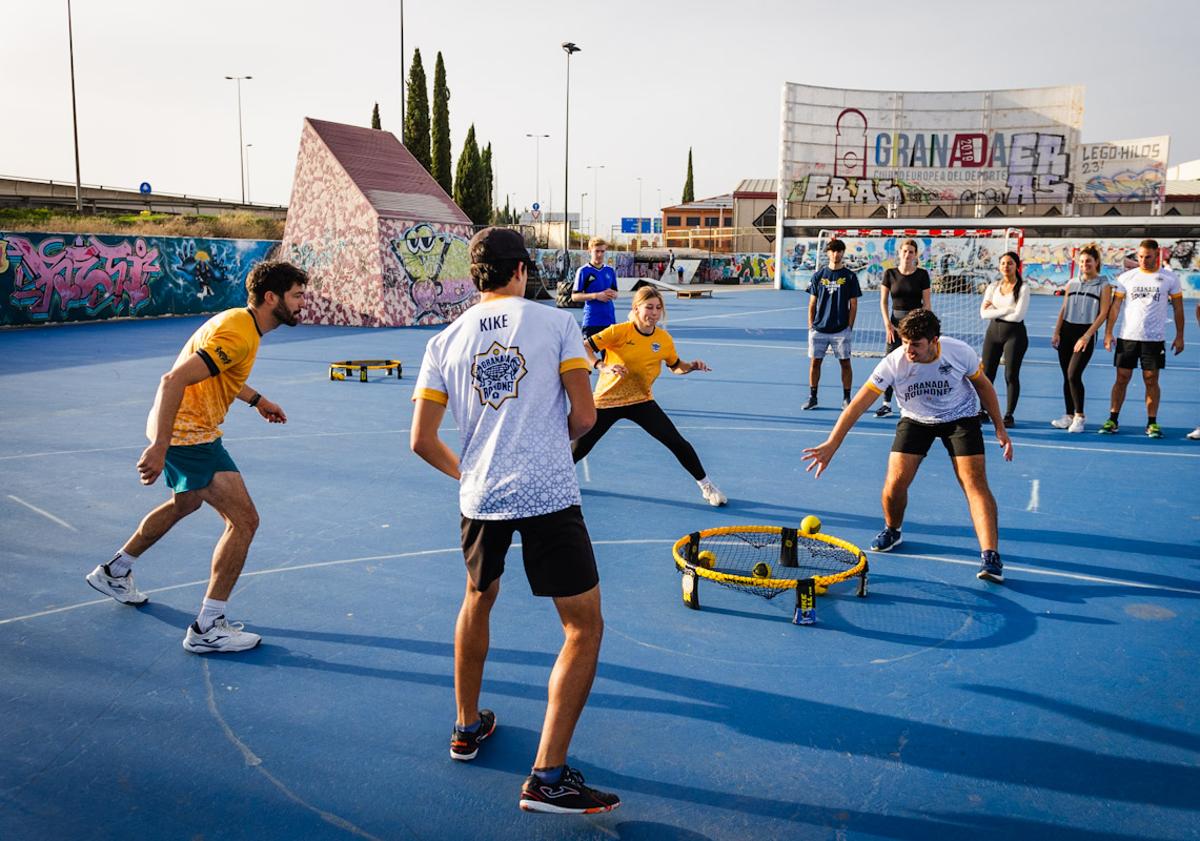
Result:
{"points": [[691, 588], [806, 603]]}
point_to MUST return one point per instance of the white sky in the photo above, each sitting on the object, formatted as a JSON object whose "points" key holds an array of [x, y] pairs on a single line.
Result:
{"points": [[653, 79]]}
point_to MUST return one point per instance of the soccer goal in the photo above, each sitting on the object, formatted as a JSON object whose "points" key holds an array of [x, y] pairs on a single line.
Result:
{"points": [[961, 263]]}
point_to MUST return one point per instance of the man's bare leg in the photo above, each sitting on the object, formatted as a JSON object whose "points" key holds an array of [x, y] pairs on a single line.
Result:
{"points": [[902, 469], [472, 636], [227, 493], [972, 476], [571, 679]]}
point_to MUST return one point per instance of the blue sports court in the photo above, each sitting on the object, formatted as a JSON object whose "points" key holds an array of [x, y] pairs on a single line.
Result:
{"points": [[1061, 705]]}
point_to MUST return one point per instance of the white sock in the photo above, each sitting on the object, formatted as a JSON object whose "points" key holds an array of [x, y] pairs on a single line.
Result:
{"points": [[702, 482], [120, 564], [210, 611]]}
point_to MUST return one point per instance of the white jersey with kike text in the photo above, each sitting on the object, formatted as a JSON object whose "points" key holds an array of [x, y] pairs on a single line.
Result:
{"points": [[1145, 302], [932, 392], [498, 368]]}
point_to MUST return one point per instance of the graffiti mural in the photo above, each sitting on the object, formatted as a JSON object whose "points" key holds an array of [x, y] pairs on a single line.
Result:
{"points": [[1039, 166], [1046, 263], [86, 277], [434, 272]]}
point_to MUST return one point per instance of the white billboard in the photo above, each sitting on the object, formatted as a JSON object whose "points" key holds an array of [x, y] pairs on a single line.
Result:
{"points": [[928, 147], [1122, 170]]}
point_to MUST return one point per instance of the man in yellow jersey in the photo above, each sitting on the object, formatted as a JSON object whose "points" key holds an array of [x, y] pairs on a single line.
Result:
{"points": [[185, 447]]}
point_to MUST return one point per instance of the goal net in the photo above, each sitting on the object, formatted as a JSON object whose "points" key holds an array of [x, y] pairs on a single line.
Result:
{"points": [[961, 263]]}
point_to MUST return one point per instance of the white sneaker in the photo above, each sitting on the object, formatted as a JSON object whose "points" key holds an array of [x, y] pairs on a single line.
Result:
{"points": [[1077, 424], [1061, 423], [712, 494], [122, 589], [1194, 434], [221, 638]]}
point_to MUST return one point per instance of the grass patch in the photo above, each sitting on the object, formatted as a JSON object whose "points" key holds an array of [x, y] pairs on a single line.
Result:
{"points": [[237, 225]]}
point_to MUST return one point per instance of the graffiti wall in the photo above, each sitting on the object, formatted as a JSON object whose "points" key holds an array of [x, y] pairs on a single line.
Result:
{"points": [[47, 278], [970, 263]]}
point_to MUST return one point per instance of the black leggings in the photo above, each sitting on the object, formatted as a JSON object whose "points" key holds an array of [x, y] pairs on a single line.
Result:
{"points": [[1007, 338], [1073, 363], [892, 345], [651, 418]]}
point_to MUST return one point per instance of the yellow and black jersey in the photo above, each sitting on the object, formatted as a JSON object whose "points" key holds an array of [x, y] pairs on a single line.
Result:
{"points": [[642, 356], [228, 343]]}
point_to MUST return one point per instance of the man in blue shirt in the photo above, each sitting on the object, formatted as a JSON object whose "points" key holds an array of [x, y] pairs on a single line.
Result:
{"points": [[596, 287], [832, 308]]}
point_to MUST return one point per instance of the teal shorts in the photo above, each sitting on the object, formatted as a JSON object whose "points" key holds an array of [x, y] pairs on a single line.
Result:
{"points": [[192, 467]]}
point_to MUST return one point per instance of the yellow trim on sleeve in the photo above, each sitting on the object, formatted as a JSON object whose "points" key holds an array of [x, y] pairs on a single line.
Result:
{"points": [[1176, 295], [873, 387], [1117, 294], [432, 395], [575, 364], [978, 373]]}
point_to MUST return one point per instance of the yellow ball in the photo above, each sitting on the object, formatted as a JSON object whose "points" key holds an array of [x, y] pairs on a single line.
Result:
{"points": [[706, 559], [762, 570], [337, 375], [810, 524]]}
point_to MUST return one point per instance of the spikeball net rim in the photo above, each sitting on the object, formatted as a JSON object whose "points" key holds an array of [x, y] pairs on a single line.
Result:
{"points": [[681, 562]]}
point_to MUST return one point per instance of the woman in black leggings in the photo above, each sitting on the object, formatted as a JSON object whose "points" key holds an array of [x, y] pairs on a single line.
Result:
{"points": [[905, 288], [636, 351], [1004, 304], [1085, 307]]}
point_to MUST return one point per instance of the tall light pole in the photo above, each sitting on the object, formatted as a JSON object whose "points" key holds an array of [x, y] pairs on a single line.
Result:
{"points": [[638, 240], [537, 164], [74, 119], [569, 48], [241, 149], [248, 145], [595, 168], [403, 81], [582, 196]]}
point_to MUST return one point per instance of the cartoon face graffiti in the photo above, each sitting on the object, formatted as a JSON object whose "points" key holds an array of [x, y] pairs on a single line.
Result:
{"points": [[438, 267]]}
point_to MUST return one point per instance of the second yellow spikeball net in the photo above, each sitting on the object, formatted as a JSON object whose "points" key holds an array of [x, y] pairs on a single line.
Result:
{"points": [[768, 561]]}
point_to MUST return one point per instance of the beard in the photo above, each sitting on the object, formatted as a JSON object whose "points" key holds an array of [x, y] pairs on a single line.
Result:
{"points": [[285, 316]]}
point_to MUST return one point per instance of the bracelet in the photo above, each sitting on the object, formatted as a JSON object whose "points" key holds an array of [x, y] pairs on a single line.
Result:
{"points": [[253, 401]]}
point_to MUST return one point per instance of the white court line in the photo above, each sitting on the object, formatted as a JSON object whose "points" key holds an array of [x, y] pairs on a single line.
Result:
{"points": [[587, 473], [1033, 497], [730, 315], [252, 760], [314, 565], [630, 542], [296, 436], [45, 514], [1050, 573]]}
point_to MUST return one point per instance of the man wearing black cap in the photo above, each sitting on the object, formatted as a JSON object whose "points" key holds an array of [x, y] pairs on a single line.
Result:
{"points": [[515, 378]]}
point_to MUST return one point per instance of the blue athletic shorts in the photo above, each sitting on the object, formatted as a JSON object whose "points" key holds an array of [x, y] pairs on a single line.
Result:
{"points": [[192, 467]]}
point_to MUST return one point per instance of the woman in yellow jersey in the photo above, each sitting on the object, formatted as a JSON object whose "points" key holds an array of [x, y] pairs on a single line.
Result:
{"points": [[635, 353]]}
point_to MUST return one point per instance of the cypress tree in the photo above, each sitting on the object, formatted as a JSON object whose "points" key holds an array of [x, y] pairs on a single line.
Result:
{"points": [[416, 120], [487, 178], [689, 189], [469, 192], [440, 133], [375, 117]]}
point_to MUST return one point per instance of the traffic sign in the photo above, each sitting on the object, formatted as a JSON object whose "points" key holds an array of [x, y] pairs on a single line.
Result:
{"points": [[144, 188]]}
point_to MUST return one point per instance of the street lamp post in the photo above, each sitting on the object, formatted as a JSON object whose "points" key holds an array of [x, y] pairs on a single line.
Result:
{"points": [[74, 118], [248, 145], [241, 149], [569, 48], [537, 164], [638, 240], [595, 168], [582, 196]]}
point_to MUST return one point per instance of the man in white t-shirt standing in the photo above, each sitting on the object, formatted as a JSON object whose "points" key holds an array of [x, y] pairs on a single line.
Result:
{"points": [[939, 384], [1146, 293], [515, 378]]}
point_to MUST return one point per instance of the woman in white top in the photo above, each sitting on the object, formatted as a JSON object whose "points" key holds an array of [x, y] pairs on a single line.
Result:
{"points": [[1085, 306], [1004, 304]]}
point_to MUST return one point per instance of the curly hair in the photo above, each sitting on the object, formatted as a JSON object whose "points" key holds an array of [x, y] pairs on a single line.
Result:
{"points": [[920, 324], [276, 276]]}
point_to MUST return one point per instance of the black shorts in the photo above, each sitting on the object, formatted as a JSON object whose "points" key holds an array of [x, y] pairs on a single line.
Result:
{"points": [[1153, 355], [555, 547], [962, 437]]}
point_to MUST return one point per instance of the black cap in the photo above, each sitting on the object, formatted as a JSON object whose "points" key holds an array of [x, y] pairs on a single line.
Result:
{"points": [[494, 244]]}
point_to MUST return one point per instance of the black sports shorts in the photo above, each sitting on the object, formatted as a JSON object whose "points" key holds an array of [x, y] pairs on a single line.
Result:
{"points": [[962, 437], [556, 549], [1153, 355]]}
